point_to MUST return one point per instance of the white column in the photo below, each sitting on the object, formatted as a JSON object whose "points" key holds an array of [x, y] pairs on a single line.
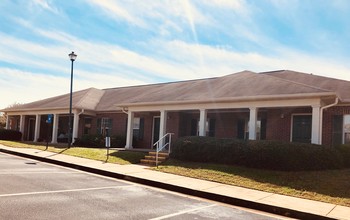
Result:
{"points": [[37, 127], [129, 130], [315, 129], [253, 116], [7, 122], [21, 124], [203, 122], [75, 126], [162, 126], [55, 128]]}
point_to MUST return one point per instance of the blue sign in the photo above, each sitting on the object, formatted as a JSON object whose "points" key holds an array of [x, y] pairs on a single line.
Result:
{"points": [[49, 118]]}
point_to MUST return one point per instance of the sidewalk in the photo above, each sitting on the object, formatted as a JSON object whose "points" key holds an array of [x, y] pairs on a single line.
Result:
{"points": [[239, 196]]}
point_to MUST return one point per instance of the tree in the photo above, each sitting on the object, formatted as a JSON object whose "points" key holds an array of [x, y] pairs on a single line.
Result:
{"points": [[3, 117], [2, 120]]}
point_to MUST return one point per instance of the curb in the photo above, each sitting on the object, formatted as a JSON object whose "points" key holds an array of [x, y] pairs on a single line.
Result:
{"points": [[206, 195]]}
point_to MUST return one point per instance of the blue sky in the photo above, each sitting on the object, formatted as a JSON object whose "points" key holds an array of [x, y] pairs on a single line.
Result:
{"points": [[130, 42]]}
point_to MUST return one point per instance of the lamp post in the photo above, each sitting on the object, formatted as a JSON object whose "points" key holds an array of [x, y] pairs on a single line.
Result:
{"points": [[72, 57]]}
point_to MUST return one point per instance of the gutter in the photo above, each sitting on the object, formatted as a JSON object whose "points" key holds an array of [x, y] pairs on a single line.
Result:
{"points": [[124, 111], [321, 117], [235, 99]]}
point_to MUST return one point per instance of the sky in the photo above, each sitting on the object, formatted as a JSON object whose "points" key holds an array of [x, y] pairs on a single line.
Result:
{"points": [[133, 42]]}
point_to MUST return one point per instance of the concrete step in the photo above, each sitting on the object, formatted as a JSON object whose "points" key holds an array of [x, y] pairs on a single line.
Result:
{"points": [[150, 159], [154, 158], [162, 154], [148, 162]]}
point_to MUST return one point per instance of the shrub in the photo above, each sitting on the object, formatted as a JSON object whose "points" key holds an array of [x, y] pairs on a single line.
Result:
{"points": [[89, 140], [10, 135], [275, 155], [344, 150]]}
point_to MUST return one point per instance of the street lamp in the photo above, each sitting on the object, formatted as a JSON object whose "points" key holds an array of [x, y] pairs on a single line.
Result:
{"points": [[72, 57]]}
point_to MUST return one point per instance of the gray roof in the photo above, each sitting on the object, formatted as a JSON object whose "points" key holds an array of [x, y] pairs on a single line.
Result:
{"points": [[84, 99], [341, 87], [243, 85]]}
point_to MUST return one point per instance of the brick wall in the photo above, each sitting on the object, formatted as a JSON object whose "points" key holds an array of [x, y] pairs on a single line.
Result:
{"points": [[328, 122]]}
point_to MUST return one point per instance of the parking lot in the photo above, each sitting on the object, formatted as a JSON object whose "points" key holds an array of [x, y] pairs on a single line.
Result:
{"points": [[35, 190]]}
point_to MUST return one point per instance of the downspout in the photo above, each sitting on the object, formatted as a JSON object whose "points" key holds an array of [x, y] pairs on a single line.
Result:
{"points": [[82, 112], [321, 116], [124, 111]]}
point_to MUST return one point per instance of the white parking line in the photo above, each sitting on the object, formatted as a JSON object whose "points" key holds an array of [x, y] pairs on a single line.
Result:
{"points": [[183, 212], [32, 172], [63, 191]]}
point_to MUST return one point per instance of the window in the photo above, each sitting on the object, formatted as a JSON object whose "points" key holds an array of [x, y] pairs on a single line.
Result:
{"points": [[337, 130], [104, 124], [138, 128], [209, 127], [301, 128], [87, 125], [346, 129], [243, 129]]}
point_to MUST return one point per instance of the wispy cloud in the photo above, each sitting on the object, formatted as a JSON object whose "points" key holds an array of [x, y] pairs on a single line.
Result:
{"points": [[45, 4]]}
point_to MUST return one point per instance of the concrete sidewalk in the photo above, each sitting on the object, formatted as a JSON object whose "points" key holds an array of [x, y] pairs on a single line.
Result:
{"points": [[254, 199]]}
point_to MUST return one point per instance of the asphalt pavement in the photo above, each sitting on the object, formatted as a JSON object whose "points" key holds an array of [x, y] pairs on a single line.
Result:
{"points": [[32, 189]]}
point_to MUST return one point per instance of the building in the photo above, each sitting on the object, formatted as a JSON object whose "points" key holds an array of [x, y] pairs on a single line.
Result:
{"points": [[278, 105]]}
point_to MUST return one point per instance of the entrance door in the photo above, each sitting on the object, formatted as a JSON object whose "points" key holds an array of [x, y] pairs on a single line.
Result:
{"points": [[302, 128], [31, 129], [156, 129]]}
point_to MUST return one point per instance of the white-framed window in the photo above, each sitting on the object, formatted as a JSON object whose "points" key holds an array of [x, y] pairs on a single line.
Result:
{"points": [[136, 127], [104, 124], [346, 129]]}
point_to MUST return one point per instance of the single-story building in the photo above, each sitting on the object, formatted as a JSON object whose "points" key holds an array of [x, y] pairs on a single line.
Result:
{"points": [[279, 105]]}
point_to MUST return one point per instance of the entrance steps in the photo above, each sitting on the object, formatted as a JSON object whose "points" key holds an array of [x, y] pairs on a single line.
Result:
{"points": [[150, 159]]}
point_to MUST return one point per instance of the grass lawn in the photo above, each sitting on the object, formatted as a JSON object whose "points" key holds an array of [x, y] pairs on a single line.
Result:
{"points": [[332, 186], [115, 156]]}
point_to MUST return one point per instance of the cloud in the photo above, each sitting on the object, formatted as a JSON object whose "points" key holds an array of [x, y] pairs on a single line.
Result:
{"points": [[46, 5]]}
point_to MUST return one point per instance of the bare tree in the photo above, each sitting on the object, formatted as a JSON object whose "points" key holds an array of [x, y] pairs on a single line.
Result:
{"points": [[2, 120]]}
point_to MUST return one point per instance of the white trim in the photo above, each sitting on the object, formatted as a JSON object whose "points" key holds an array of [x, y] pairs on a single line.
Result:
{"points": [[228, 105], [55, 128], [162, 126], [7, 122], [129, 130], [253, 116], [315, 125], [202, 125], [75, 126], [37, 128], [266, 98], [21, 124]]}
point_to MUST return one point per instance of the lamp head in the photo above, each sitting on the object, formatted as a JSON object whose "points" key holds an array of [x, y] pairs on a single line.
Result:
{"points": [[72, 56]]}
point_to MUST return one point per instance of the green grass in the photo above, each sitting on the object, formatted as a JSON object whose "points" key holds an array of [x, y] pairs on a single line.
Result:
{"points": [[332, 186], [115, 156]]}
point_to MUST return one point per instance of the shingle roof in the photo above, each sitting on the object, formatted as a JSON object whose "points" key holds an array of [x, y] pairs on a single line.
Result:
{"points": [[242, 85], [86, 99], [341, 87]]}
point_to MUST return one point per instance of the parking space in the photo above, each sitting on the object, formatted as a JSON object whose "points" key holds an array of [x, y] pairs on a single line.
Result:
{"points": [[35, 190]]}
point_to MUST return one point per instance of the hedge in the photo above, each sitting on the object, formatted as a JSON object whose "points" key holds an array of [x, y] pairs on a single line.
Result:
{"points": [[10, 135], [273, 155], [99, 141]]}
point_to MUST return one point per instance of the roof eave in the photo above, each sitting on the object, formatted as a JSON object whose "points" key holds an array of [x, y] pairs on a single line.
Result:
{"points": [[235, 99]]}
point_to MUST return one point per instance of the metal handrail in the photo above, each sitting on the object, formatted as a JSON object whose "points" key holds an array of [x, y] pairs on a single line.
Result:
{"points": [[159, 148]]}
